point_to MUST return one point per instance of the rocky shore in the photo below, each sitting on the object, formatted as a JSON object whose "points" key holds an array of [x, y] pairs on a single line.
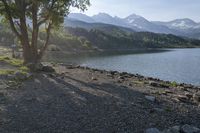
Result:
{"points": [[82, 99]]}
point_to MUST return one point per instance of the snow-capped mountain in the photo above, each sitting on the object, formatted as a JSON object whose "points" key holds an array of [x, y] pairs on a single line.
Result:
{"points": [[181, 24], [145, 25], [183, 27]]}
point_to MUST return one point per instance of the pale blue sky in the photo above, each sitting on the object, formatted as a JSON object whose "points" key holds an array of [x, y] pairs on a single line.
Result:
{"points": [[163, 10]]}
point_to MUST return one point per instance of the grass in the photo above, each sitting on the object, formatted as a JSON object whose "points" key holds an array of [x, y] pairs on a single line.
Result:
{"points": [[174, 84], [11, 61], [6, 72]]}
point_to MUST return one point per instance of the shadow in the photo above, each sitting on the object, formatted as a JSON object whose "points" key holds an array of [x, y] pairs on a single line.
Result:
{"points": [[51, 104]]}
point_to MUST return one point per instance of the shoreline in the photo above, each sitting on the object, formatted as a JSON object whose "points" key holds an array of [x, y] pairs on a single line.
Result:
{"points": [[142, 77]]}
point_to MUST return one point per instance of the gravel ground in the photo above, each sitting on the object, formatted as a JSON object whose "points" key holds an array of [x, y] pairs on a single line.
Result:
{"points": [[81, 100]]}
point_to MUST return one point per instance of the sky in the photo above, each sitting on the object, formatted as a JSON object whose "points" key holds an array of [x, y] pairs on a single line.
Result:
{"points": [[153, 10]]}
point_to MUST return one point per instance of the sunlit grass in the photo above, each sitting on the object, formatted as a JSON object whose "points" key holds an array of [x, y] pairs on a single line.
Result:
{"points": [[6, 72], [11, 61]]}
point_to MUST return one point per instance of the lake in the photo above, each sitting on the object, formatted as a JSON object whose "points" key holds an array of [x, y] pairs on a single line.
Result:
{"points": [[180, 65]]}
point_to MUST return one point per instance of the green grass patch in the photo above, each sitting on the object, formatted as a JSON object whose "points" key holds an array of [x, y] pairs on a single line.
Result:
{"points": [[24, 69], [11, 61], [174, 84], [6, 72]]}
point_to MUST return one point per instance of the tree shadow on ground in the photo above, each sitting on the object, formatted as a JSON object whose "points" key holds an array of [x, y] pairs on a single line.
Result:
{"points": [[51, 104]]}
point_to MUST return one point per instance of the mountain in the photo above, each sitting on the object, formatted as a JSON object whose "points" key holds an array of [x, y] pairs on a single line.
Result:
{"points": [[182, 27], [180, 24], [106, 18], [81, 17], [185, 27], [145, 25], [99, 26]]}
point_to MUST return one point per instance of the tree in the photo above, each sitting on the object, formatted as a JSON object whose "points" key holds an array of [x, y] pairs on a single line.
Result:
{"points": [[26, 17]]}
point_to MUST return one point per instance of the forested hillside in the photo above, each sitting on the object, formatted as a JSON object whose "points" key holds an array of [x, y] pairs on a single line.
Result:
{"points": [[108, 37], [118, 39]]}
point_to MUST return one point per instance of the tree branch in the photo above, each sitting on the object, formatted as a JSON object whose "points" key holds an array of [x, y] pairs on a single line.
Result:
{"points": [[7, 10], [48, 31]]}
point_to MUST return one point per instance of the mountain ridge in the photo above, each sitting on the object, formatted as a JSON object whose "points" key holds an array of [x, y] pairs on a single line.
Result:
{"points": [[181, 27]]}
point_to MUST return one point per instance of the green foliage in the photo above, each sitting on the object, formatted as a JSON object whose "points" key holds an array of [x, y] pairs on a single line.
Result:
{"points": [[26, 17]]}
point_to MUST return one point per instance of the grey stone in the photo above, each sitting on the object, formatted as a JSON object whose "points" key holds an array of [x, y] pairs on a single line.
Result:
{"points": [[150, 98], [189, 129], [152, 130], [196, 97], [175, 129], [182, 98]]}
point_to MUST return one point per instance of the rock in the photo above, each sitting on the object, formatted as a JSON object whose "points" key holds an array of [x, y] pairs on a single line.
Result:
{"points": [[182, 98], [196, 97], [121, 77], [93, 78], [3, 86], [48, 69], [154, 84], [189, 129], [189, 95], [150, 98], [175, 129], [109, 75], [152, 130], [113, 72]]}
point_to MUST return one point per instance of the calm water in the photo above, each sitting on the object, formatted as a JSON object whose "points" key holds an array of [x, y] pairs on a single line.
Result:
{"points": [[180, 65]]}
